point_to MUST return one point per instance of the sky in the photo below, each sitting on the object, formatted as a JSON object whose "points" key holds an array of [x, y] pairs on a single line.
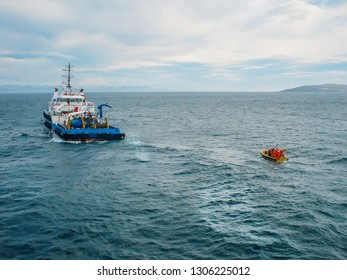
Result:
{"points": [[175, 45]]}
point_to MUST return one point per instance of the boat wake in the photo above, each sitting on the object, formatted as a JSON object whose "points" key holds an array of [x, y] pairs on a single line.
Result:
{"points": [[140, 154], [56, 139]]}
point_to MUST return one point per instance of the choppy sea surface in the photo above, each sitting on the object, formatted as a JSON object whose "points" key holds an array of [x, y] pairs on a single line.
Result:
{"points": [[187, 182]]}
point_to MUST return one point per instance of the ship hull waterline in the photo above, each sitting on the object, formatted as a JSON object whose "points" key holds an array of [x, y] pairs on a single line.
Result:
{"points": [[84, 134]]}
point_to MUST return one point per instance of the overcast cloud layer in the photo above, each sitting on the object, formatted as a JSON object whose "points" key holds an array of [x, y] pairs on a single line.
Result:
{"points": [[215, 45]]}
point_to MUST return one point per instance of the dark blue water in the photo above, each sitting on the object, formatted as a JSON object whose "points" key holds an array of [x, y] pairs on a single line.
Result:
{"points": [[188, 181]]}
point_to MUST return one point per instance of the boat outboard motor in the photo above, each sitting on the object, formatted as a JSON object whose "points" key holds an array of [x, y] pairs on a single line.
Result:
{"points": [[100, 108]]}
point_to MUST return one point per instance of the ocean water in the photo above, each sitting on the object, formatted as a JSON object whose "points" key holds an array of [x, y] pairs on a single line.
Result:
{"points": [[187, 182]]}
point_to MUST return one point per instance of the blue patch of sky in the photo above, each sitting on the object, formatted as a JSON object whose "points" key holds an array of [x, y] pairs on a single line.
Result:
{"points": [[269, 66], [337, 66], [21, 55], [327, 2], [36, 54], [22, 25], [24, 42]]}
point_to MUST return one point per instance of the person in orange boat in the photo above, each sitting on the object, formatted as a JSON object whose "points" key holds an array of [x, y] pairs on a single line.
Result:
{"points": [[281, 152], [270, 152], [275, 153]]}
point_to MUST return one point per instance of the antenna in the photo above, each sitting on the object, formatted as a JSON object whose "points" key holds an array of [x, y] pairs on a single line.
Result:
{"points": [[68, 76]]}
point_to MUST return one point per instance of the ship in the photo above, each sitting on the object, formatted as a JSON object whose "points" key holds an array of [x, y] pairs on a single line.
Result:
{"points": [[73, 118]]}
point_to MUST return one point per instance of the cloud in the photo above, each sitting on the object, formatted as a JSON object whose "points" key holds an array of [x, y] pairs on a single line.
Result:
{"points": [[225, 40]]}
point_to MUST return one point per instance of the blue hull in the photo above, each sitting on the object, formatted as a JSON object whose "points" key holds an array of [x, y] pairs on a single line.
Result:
{"points": [[84, 134]]}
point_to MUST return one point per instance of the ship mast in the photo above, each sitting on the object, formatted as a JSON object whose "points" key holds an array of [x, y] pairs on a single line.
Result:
{"points": [[68, 76]]}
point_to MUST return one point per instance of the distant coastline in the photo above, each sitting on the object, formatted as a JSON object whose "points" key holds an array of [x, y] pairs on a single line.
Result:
{"points": [[318, 88]]}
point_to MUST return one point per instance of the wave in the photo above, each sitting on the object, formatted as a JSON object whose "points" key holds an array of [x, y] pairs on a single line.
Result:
{"points": [[140, 157], [39, 135], [338, 161]]}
